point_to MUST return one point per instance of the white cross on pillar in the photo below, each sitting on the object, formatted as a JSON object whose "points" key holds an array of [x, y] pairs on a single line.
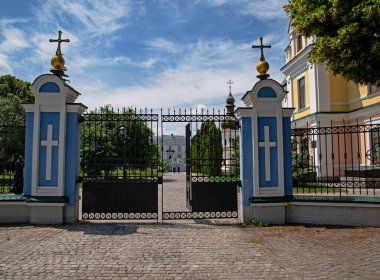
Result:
{"points": [[267, 145], [49, 143]]}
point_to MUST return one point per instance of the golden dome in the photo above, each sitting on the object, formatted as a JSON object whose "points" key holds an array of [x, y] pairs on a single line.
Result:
{"points": [[58, 62], [262, 67]]}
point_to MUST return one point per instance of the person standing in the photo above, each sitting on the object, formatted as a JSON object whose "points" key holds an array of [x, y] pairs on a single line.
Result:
{"points": [[19, 176]]}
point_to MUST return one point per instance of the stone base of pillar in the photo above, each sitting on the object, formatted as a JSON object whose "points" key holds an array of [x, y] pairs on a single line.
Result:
{"points": [[47, 213], [268, 213], [71, 213]]}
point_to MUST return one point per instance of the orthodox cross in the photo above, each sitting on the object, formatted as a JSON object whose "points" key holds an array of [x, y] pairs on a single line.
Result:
{"points": [[49, 143], [267, 145], [230, 83], [261, 46], [59, 40]]}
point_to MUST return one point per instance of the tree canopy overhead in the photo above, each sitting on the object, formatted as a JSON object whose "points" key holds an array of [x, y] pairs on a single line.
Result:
{"points": [[348, 35]]}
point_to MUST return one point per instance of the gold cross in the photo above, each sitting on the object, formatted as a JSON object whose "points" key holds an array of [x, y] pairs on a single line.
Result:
{"points": [[230, 83], [261, 46], [59, 40]]}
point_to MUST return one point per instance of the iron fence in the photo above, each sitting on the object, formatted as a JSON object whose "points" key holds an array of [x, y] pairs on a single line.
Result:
{"points": [[12, 144], [337, 160]]}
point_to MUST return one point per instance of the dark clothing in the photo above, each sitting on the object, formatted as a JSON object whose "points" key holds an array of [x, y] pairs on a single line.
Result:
{"points": [[19, 177]]}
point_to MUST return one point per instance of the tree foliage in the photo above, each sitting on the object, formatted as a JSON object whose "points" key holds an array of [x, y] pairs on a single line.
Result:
{"points": [[12, 119], [112, 140], [10, 85], [12, 92], [348, 35], [235, 164], [207, 150]]}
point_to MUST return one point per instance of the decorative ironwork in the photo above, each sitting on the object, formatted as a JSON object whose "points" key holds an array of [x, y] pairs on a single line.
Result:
{"points": [[212, 163], [338, 160], [199, 215], [119, 216], [120, 164], [373, 154]]}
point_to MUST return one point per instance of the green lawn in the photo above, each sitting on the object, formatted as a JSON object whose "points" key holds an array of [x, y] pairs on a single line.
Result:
{"points": [[317, 188]]}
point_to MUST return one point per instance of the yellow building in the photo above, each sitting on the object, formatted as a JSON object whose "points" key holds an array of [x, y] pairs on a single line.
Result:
{"points": [[318, 96], [321, 99]]}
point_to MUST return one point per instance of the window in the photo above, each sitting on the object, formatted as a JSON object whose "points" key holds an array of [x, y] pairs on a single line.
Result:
{"points": [[301, 93], [373, 89], [299, 43]]}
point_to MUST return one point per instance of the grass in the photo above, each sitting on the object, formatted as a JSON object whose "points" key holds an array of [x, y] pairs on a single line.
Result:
{"points": [[317, 188]]}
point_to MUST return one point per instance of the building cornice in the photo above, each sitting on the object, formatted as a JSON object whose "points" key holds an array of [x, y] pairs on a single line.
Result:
{"points": [[298, 63]]}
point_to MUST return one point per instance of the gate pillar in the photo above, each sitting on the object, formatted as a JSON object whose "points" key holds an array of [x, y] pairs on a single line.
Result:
{"points": [[265, 153], [52, 147]]}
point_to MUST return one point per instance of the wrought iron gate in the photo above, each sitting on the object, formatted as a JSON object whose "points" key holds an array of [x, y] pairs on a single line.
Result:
{"points": [[120, 165], [212, 165]]}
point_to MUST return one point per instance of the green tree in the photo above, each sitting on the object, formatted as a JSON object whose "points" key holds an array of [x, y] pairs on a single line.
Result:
{"points": [[235, 163], [12, 118], [111, 140], [207, 150], [13, 92], [10, 85], [348, 35]]}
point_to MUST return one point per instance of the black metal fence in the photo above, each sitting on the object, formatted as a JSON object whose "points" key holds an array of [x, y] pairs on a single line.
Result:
{"points": [[120, 164], [212, 164], [337, 160], [12, 144]]}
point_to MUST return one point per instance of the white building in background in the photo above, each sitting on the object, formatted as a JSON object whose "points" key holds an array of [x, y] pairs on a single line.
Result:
{"points": [[173, 150]]}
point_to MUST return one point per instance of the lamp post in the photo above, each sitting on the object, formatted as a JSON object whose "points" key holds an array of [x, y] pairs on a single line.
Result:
{"points": [[123, 133]]}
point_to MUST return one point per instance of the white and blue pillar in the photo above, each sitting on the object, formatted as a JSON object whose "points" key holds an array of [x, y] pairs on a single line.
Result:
{"points": [[52, 151], [265, 153]]}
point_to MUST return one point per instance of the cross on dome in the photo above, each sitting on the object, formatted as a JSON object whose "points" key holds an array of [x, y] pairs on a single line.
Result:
{"points": [[59, 41]]}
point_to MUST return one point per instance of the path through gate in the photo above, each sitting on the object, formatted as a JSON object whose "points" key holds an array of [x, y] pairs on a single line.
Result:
{"points": [[123, 164]]}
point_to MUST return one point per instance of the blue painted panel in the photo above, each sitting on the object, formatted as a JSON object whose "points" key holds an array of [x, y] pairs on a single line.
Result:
{"points": [[49, 87], [28, 153], [272, 123], [72, 157], [48, 118], [267, 92], [288, 183], [246, 161]]}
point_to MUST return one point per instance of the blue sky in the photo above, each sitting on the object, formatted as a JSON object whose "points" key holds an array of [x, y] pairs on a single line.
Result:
{"points": [[146, 53]]}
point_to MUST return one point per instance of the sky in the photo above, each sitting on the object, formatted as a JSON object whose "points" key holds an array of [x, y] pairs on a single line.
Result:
{"points": [[146, 53]]}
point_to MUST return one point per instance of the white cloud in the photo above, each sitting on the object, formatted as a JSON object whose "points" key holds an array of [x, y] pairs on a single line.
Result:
{"points": [[199, 80], [13, 40], [98, 17], [5, 67], [164, 45], [262, 10]]}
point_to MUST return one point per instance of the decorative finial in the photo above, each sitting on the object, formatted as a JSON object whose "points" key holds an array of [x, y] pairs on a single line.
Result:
{"points": [[262, 66], [57, 61], [230, 83]]}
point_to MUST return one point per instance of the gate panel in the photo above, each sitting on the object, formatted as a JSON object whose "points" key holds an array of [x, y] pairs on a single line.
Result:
{"points": [[214, 196], [212, 165], [100, 197], [120, 165]]}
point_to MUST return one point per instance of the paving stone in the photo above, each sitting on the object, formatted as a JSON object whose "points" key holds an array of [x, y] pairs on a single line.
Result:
{"points": [[94, 250]]}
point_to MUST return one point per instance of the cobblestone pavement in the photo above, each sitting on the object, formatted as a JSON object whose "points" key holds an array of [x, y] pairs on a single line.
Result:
{"points": [[187, 249], [90, 250]]}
